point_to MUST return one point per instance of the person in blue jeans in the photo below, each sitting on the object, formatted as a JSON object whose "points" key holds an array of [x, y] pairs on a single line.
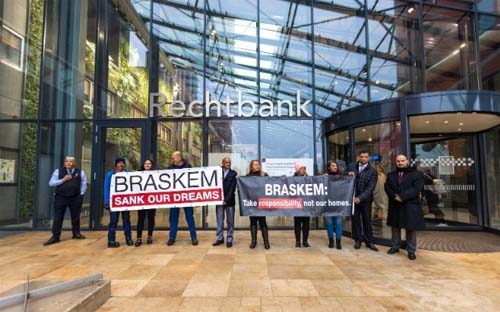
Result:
{"points": [[115, 215], [334, 224], [178, 162]]}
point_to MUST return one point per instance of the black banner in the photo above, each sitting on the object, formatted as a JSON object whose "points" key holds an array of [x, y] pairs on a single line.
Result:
{"points": [[312, 196]]}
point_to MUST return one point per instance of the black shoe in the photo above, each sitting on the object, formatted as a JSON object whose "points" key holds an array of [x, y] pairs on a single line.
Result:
{"points": [[170, 242], [330, 243], [306, 244], [130, 242], [149, 241], [194, 241], [338, 243], [78, 236], [265, 237], [297, 245], [52, 240], [372, 247], [392, 250], [229, 244], [138, 242], [357, 245], [253, 244], [113, 244], [412, 256], [218, 242]]}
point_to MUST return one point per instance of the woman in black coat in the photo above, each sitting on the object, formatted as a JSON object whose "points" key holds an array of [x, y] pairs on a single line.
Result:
{"points": [[403, 187], [256, 170], [142, 214]]}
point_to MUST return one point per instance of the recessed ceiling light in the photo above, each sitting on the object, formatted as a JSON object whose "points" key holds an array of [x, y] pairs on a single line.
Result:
{"points": [[398, 124], [445, 122], [460, 123], [364, 130], [410, 10], [427, 122], [370, 139], [459, 129]]}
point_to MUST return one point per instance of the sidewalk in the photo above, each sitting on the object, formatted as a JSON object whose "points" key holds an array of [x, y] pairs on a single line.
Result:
{"points": [[205, 278]]}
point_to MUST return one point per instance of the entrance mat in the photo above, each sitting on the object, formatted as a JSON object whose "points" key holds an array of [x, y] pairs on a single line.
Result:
{"points": [[470, 242]]}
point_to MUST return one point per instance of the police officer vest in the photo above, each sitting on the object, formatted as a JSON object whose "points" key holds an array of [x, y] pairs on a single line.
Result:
{"points": [[72, 187]]}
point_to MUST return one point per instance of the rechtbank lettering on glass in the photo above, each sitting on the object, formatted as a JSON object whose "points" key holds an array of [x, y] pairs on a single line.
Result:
{"points": [[228, 107]]}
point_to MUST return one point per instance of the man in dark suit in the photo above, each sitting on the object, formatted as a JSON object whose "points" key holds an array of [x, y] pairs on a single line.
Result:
{"points": [[229, 185], [364, 184], [403, 187]]}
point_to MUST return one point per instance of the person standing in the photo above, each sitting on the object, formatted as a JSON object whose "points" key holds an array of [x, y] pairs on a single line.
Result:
{"points": [[71, 184], [178, 162], [255, 170], [380, 200], [364, 185], [334, 224], [301, 223], [115, 215], [229, 186], [404, 187], [142, 214]]}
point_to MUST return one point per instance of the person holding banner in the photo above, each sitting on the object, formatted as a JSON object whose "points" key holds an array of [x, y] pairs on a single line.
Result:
{"points": [[142, 214], [301, 223], [403, 187], [229, 186], [255, 170], [178, 162], [114, 215], [364, 184], [334, 224]]}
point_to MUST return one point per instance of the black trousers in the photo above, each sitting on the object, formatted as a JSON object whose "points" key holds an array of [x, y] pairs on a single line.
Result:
{"points": [[261, 220], [301, 224], [75, 208], [150, 213], [362, 216]]}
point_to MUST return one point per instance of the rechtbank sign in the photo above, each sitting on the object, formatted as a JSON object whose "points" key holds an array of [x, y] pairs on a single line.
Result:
{"points": [[228, 107]]}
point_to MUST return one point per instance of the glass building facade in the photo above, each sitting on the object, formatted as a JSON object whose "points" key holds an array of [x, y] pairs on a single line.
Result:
{"points": [[419, 77]]}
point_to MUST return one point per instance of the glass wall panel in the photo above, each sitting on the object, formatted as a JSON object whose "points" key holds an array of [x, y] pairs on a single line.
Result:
{"points": [[449, 48], [128, 77], [58, 140], [237, 139], [384, 142], [285, 50], [493, 176], [394, 49], [339, 149], [489, 51], [67, 88], [17, 172], [340, 54], [298, 147], [450, 183]]}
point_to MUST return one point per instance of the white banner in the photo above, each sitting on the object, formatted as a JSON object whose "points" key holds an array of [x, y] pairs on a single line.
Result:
{"points": [[166, 188]]}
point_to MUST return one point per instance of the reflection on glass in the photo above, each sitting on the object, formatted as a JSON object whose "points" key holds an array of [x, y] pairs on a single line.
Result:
{"points": [[449, 49], [489, 48], [339, 149], [449, 173]]}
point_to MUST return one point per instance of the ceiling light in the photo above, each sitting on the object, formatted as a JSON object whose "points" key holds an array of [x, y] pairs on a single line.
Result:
{"points": [[460, 123], [398, 124], [455, 52], [427, 122], [463, 45], [370, 139], [411, 9], [459, 129], [364, 130], [445, 122]]}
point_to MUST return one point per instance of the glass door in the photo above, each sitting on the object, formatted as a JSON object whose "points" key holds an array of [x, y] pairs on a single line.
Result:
{"points": [[450, 192], [116, 139]]}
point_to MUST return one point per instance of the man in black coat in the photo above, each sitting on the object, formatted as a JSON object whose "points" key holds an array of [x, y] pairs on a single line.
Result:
{"points": [[403, 187], [364, 184], [229, 185]]}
